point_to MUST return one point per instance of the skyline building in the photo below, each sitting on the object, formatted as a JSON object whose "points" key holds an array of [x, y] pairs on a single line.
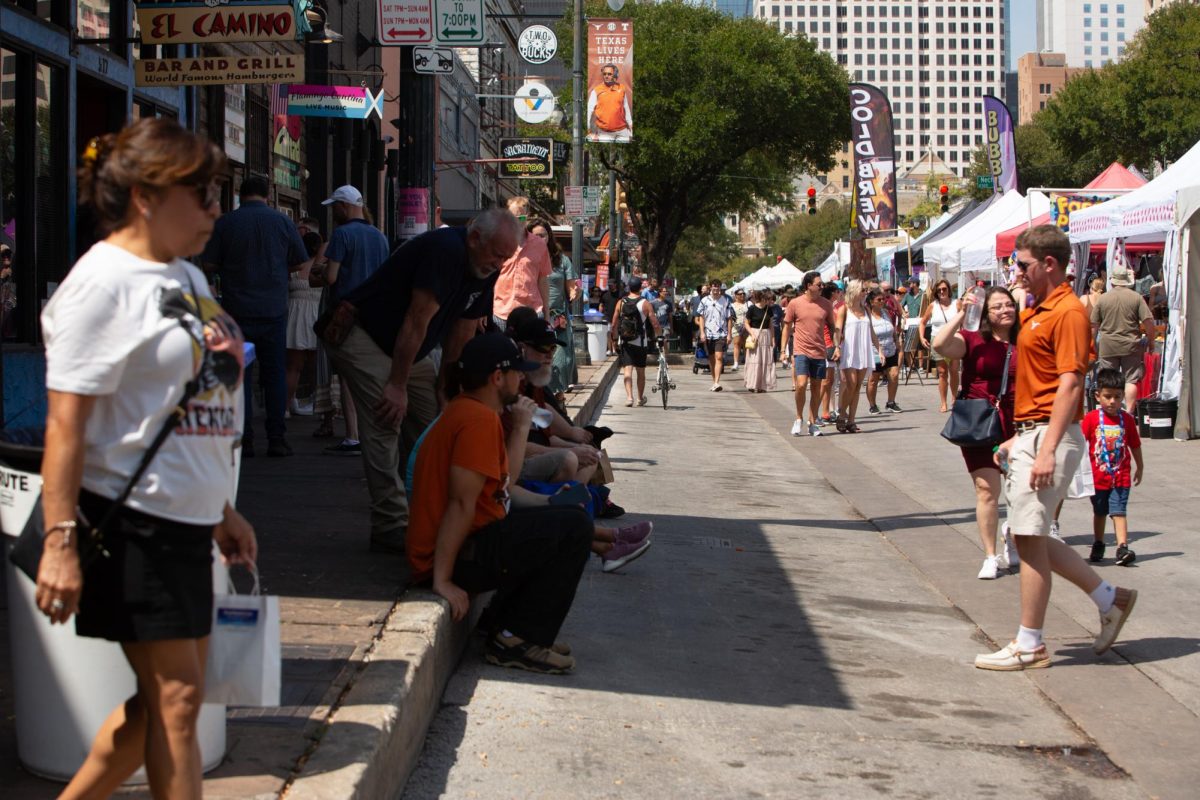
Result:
{"points": [[936, 60], [1089, 34]]}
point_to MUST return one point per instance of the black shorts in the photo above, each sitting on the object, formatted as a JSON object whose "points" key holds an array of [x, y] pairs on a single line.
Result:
{"points": [[888, 363], [156, 584], [633, 355]]}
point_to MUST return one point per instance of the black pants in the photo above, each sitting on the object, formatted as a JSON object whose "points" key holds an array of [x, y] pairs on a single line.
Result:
{"points": [[534, 557]]}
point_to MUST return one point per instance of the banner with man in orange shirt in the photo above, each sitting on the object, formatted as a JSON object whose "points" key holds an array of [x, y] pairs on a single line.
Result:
{"points": [[610, 76]]}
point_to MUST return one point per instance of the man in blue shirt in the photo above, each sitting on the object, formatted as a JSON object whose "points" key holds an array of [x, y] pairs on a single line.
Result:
{"points": [[253, 249], [354, 252]]}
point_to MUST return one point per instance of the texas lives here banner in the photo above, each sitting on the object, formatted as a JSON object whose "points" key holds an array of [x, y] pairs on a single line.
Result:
{"points": [[874, 159], [610, 80]]}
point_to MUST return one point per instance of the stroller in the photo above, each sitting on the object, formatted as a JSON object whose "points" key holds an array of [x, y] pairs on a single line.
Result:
{"points": [[701, 361]]}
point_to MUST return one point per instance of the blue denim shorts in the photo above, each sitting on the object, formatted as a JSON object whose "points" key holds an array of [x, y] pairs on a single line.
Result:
{"points": [[812, 367], [1110, 502]]}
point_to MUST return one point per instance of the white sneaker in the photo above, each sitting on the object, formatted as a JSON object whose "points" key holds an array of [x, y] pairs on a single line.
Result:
{"points": [[1054, 531], [814, 430], [1010, 548], [1001, 559], [734, 368], [988, 571], [797, 428]]}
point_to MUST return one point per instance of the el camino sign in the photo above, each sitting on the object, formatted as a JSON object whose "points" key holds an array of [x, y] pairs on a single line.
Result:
{"points": [[215, 22]]}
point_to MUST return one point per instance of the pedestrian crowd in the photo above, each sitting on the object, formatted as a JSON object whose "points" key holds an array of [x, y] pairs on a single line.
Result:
{"points": [[451, 354]]}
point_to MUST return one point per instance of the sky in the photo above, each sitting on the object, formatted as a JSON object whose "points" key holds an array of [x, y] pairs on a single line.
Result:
{"points": [[1024, 30]]}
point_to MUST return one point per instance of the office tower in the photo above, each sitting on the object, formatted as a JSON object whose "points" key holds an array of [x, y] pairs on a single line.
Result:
{"points": [[1090, 34]]}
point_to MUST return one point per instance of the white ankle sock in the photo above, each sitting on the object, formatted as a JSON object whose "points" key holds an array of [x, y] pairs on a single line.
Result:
{"points": [[1029, 639], [1104, 596]]}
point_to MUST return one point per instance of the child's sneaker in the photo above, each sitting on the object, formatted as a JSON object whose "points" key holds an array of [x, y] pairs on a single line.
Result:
{"points": [[1125, 556], [1055, 531], [1097, 552]]}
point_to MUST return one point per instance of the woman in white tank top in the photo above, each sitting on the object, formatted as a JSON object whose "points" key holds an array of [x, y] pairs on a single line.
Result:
{"points": [[939, 312], [859, 345]]}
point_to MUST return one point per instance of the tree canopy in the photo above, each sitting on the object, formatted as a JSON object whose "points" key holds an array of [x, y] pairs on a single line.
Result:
{"points": [[726, 111], [806, 239]]}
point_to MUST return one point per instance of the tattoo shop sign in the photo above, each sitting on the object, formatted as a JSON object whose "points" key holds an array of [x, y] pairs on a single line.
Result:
{"points": [[284, 68], [527, 159], [216, 22]]}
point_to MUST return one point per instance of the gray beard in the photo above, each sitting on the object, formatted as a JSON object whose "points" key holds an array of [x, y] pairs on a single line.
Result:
{"points": [[541, 376]]}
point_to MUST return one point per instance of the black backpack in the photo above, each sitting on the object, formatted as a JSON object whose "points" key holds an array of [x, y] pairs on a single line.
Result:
{"points": [[629, 326]]}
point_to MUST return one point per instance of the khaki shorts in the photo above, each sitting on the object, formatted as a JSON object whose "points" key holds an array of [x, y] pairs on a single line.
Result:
{"points": [[1030, 513], [1132, 366], [544, 466]]}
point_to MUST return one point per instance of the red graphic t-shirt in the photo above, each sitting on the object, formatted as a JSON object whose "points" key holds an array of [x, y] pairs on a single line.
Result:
{"points": [[1110, 442]]}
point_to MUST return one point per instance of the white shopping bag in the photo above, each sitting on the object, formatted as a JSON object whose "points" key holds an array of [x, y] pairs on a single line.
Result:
{"points": [[1081, 482], [244, 659]]}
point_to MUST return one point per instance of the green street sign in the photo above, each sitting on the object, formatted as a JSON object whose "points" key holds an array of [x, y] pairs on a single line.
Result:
{"points": [[458, 22], [983, 181]]}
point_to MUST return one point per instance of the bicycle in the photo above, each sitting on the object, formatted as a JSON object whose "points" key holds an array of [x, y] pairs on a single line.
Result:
{"points": [[663, 384]]}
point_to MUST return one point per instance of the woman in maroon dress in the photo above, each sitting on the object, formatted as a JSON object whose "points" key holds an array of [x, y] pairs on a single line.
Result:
{"points": [[983, 356]]}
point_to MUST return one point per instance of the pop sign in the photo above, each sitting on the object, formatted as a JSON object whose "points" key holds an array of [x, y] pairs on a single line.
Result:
{"points": [[537, 44]]}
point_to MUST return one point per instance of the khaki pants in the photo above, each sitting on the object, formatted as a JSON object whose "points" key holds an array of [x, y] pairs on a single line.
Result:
{"points": [[365, 369]]}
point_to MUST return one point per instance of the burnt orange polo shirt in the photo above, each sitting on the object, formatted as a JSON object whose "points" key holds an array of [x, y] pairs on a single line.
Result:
{"points": [[1055, 339], [610, 107]]}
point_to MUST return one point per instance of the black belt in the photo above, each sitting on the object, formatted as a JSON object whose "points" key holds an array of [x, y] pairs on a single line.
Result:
{"points": [[1030, 424]]}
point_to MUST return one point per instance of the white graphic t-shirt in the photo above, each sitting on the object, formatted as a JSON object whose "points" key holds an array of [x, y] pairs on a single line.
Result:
{"points": [[125, 330]]}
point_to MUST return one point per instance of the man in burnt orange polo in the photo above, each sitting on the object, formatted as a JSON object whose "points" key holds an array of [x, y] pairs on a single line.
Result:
{"points": [[1039, 461], [610, 118]]}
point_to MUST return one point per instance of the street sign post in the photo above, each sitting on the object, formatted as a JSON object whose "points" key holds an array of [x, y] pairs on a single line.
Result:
{"points": [[884, 241], [433, 60], [458, 22], [983, 181], [404, 21]]}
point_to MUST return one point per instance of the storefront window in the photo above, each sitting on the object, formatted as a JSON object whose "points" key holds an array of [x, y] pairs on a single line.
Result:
{"points": [[32, 189]]}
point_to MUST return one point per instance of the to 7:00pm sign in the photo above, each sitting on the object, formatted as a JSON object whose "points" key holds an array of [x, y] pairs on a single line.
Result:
{"points": [[458, 22]]}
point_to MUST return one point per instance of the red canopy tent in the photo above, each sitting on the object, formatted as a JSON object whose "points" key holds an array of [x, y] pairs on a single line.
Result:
{"points": [[1115, 177]]}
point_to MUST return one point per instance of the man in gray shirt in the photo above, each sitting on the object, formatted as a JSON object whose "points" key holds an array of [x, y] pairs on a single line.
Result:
{"points": [[1120, 317]]}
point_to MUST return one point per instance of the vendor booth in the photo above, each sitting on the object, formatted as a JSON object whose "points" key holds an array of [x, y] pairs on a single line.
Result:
{"points": [[1149, 214], [969, 253], [1187, 222]]}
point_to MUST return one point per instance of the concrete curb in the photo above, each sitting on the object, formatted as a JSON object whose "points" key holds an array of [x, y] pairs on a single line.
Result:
{"points": [[376, 730]]}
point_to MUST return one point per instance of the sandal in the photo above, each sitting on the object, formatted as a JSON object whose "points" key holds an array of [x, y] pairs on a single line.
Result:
{"points": [[840, 424], [325, 429], [852, 428]]}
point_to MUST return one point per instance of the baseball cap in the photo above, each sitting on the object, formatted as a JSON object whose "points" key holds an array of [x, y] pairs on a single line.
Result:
{"points": [[492, 351], [1120, 276], [535, 331], [344, 194]]}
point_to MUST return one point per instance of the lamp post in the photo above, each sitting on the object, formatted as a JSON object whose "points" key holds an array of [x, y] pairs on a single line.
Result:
{"points": [[577, 132]]}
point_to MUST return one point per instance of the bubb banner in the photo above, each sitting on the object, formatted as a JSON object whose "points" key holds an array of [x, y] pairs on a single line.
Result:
{"points": [[874, 159], [1001, 149]]}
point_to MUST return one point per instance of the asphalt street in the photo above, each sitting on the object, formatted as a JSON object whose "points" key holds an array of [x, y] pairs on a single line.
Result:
{"points": [[805, 625]]}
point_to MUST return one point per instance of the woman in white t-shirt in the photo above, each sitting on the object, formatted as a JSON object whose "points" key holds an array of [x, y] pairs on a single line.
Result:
{"points": [[130, 325], [940, 311]]}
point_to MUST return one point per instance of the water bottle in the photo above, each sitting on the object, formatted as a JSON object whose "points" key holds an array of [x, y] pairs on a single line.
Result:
{"points": [[542, 417], [975, 310]]}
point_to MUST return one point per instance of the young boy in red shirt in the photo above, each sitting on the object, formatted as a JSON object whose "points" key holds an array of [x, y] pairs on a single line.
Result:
{"points": [[1113, 439]]}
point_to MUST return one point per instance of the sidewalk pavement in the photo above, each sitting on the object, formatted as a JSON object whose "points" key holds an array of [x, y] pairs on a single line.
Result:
{"points": [[364, 661]]}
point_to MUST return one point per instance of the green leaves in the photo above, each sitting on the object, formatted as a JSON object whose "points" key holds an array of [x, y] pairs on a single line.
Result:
{"points": [[725, 113]]}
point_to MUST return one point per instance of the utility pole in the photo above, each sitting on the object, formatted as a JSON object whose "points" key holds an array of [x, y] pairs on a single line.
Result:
{"points": [[577, 133]]}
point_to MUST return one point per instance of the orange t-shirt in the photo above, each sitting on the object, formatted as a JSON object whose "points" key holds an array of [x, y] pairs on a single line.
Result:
{"points": [[468, 435], [518, 282], [1055, 339], [610, 107], [809, 319]]}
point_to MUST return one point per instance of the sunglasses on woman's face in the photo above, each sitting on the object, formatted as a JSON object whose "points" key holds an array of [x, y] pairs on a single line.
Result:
{"points": [[207, 194]]}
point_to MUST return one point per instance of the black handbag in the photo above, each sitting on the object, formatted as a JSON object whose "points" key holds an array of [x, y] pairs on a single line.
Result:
{"points": [[975, 422]]}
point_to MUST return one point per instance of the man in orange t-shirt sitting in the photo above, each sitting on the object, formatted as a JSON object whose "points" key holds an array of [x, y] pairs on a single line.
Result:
{"points": [[1039, 461], [610, 118], [461, 533]]}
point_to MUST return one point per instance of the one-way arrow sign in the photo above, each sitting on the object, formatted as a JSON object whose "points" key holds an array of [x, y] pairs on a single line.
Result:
{"points": [[404, 21], [458, 22]]}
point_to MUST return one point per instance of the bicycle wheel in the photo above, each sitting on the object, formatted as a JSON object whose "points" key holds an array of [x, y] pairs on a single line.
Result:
{"points": [[664, 386]]}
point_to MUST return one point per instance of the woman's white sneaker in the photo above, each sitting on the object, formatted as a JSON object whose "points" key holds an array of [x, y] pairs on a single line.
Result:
{"points": [[989, 570]]}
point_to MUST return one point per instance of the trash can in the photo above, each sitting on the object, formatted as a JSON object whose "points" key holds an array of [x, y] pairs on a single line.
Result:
{"points": [[597, 337], [65, 686], [1159, 416]]}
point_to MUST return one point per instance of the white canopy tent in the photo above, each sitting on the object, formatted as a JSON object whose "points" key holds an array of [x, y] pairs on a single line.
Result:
{"points": [[972, 248], [1150, 213], [1187, 224], [754, 281], [775, 276]]}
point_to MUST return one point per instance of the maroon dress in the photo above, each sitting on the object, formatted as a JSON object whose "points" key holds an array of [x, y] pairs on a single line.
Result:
{"points": [[981, 376]]}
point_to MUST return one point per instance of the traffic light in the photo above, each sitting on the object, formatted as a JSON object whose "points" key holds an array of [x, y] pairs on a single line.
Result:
{"points": [[812, 200], [622, 202], [944, 191]]}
